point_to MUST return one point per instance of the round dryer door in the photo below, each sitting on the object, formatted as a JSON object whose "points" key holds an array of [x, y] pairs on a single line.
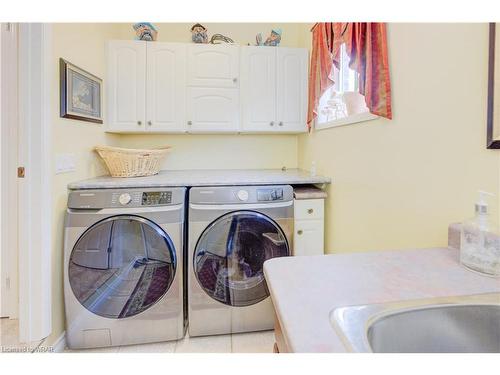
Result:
{"points": [[229, 257], [121, 266]]}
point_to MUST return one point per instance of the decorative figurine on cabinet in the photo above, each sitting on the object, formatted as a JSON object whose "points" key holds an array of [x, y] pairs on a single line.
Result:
{"points": [[199, 33], [145, 31], [258, 40], [274, 39]]}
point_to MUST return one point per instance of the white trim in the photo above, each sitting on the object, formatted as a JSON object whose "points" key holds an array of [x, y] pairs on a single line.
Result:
{"points": [[8, 165], [349, 120], [35, 198], [60, 344]]}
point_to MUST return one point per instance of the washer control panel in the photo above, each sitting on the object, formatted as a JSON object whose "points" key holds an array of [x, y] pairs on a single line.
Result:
{"points": [[126, 198], [273, 194]]}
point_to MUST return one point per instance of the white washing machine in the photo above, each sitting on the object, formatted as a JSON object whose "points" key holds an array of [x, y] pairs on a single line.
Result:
{"points": [[123, 266], [232, 232]]}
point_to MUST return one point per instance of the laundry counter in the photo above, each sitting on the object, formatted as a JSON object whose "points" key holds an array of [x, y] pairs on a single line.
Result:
{"points": [[306, 289], [215, 177]]}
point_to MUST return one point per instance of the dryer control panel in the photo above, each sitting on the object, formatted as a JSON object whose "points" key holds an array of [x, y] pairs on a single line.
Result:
{"points": [[261, 194]]}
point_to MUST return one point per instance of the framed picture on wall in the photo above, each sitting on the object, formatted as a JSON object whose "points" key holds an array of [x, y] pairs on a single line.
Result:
{"points": [[493, 118], [81, 93]]}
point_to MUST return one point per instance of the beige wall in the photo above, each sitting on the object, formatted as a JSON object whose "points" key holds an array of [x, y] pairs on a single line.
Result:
{"points": [[82, 45], [398, 184], [221, 151]]}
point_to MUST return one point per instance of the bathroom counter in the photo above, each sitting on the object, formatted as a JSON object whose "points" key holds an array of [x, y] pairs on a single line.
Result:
{"points": [[306, 289], [205, 178]]}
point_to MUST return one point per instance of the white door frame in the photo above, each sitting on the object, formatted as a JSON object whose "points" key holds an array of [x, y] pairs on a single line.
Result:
{"points": [[8, 165], [35, 189]]}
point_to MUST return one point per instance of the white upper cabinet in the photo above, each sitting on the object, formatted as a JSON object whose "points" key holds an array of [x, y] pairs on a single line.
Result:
{"points": [[166, 86], [273, 89], [126, 86], [212, 65], [292, 89], [258, 89], [212, 110], [179, 87]]}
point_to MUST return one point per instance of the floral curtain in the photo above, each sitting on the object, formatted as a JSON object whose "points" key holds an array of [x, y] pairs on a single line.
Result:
{"points": [[366, 46]]}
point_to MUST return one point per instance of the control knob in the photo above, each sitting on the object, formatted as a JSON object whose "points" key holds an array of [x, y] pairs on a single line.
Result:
{"points": [[124, 199], [243, 195]]}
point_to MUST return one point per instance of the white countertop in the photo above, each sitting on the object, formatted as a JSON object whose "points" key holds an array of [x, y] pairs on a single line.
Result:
{"points": [[216, 177], [305, 290]]}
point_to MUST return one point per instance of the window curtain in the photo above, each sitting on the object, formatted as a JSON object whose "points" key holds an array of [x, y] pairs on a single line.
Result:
{"points": [[366, 46]]}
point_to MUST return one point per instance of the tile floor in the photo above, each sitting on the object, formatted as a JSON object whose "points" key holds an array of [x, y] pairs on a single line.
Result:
{"points": [[9, 337], [254, 342]]}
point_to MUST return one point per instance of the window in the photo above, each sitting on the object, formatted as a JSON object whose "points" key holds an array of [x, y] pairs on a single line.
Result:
{"points": [[342, 104]]}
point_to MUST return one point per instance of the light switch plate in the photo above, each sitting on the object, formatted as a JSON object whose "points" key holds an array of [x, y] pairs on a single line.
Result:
{"points": [[65, 163]]}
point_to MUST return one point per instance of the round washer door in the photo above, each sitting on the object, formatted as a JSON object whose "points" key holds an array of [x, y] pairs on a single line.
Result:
{"points": [[230, 253], [121, 266]]}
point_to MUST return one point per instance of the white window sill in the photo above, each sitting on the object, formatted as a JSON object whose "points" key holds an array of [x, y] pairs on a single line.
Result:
{"points": [[352, 119]]}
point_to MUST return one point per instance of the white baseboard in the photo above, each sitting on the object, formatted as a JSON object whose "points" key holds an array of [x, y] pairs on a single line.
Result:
{"points": [[60, 343]]}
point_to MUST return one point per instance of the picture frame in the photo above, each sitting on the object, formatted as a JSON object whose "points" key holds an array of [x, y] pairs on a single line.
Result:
{"points": [[493, 114], [80, 93]]}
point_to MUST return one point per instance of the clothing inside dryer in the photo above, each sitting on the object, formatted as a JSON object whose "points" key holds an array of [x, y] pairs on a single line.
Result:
{"points": [[230, 255], [121, 266]]}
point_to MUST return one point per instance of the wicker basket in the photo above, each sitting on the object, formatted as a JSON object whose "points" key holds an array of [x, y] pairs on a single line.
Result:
{"points": [[127, 162]]}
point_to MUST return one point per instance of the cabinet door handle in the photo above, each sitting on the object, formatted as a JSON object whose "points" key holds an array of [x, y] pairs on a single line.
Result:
{"points": [[150, 123], [139, 122], [299, 232], [310, 211], [190, 122], [235, 80], [281, 123], [271, 123]]}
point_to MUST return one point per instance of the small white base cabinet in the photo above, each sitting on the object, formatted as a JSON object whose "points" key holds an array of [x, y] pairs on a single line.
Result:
{"points": [[156, 87], [308, 237]]}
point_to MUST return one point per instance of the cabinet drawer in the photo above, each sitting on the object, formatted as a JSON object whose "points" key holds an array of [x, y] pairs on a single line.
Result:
{"points": [[308, 237], [309, 209]]}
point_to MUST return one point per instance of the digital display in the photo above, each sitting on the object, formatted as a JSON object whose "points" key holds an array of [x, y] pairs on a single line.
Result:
{"points": [[269, 194], [153, 198]]}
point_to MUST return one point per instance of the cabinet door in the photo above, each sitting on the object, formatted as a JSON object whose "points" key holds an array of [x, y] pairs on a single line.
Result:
{"points": [[308, 238], [213, 65], [258, 88], [166, 87], [212, 110], [126, 86], [292, 89]]}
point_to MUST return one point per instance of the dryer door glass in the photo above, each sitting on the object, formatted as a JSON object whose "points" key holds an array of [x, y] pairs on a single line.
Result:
{"points": [[229, 257], [121, 266]]}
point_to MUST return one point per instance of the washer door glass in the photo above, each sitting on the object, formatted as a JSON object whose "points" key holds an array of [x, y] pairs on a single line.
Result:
{"points": [[229, 257], [121, 266]]}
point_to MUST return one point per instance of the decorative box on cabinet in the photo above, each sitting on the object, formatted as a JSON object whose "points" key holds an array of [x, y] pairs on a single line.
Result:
{"points": [[308, 237]]}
